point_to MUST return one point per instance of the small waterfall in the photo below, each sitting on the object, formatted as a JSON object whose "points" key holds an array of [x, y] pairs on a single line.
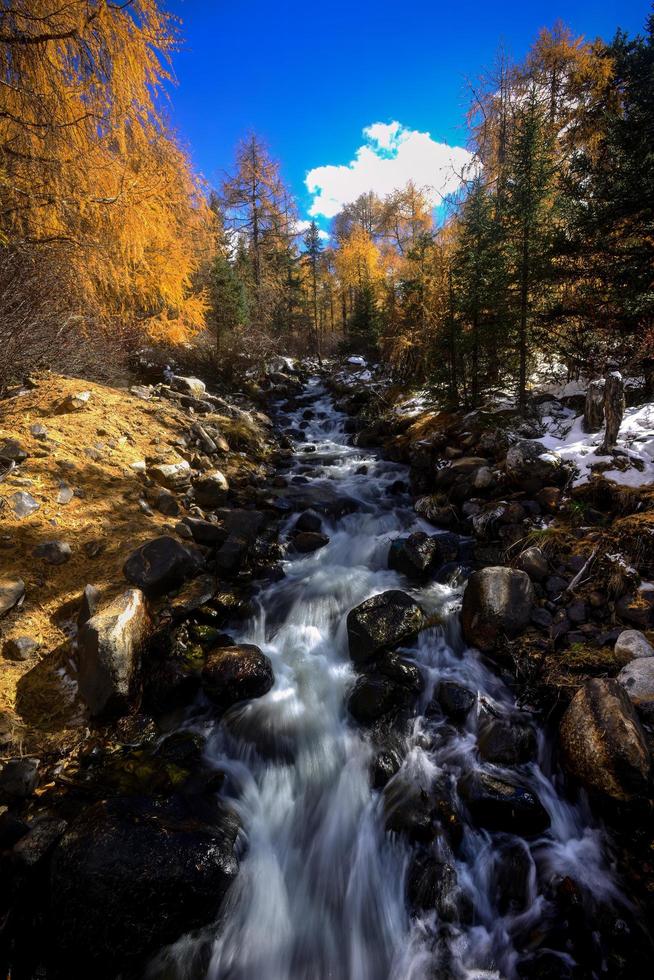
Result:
{"points": [[321, 894]]}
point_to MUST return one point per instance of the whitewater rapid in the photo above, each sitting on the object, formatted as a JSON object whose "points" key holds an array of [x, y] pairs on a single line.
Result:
{"points": [[321, 892]]}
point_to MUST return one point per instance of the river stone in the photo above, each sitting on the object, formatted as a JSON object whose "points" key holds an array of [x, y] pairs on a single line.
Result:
{"points": [[506, 743], [53, 552], [236, 673], [433, 509], [418, 556], [534, 563], [206, 532], [382, 622], [11, 593], [19, 648], [188, 386], [109, 648], [23, 503], [75, 402], [455, 700], [432, 884], [133, 874], [530, 466], [497, 602], [171, 476], [309, 521], [637, 678], [602, 743], [502, 805], [375, 696], [633, 643], [393, 686], [211, 489], [160, 565], [18, 779], [511, 877], [308, 541]]}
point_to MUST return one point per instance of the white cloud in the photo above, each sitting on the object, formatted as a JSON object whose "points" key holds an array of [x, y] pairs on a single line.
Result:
{"points": [[391, 156], [301, 227]]}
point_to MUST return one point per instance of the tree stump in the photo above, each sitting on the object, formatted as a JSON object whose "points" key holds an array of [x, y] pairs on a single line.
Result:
{"points": [[594, 406], [614, 406]]}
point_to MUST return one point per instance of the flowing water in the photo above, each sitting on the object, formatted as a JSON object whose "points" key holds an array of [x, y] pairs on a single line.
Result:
{"points": [[322, 888]]}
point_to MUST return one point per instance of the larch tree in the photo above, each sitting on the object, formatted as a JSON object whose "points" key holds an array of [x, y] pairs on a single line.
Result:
{"points": [[312, 254], [93, 182]]}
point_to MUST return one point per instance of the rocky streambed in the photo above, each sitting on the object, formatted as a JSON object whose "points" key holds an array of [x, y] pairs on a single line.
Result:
{"points": [[314, 749]]}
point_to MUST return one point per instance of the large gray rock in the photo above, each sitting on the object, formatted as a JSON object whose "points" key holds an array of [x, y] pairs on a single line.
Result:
{"points": [[602, 743], [160, 565], [131, 875], [171, 476], [497, 602], [382, 623], [11, 593], [211, 489], [188, 386], [109, 651], [637, 678], [634, 644], [530, 466]]}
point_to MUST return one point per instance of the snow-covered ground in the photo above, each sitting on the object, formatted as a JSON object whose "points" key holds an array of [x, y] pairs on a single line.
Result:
{"points": [[564, 434]]}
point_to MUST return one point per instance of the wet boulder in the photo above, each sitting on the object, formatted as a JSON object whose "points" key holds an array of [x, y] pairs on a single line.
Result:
{"points": [[374, 696], [506, 742], [421, 812], [534, 563], [108, 653], [512, 878], [433, 884], [418, 556], [309, 521], [497, 602], [307, 541], [236, 673], [602, 743], [132, 874], [161, 565], [383, 622], [530, 466], [500, 804], [455, 700], [637, 678], [391, 688], [206, 532]]}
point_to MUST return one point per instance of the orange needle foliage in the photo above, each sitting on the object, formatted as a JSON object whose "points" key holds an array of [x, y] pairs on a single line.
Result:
{"points": [[88, 170]]}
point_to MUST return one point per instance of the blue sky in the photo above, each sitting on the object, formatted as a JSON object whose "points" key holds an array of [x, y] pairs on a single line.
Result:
{"points": [[309, 77]]}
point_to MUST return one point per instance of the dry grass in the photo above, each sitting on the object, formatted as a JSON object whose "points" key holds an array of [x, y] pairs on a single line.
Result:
{"points": [[123, 430]]}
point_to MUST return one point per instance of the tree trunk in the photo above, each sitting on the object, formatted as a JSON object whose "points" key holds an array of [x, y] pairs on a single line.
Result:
{"points": [[594, 406], [614, 406]]}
